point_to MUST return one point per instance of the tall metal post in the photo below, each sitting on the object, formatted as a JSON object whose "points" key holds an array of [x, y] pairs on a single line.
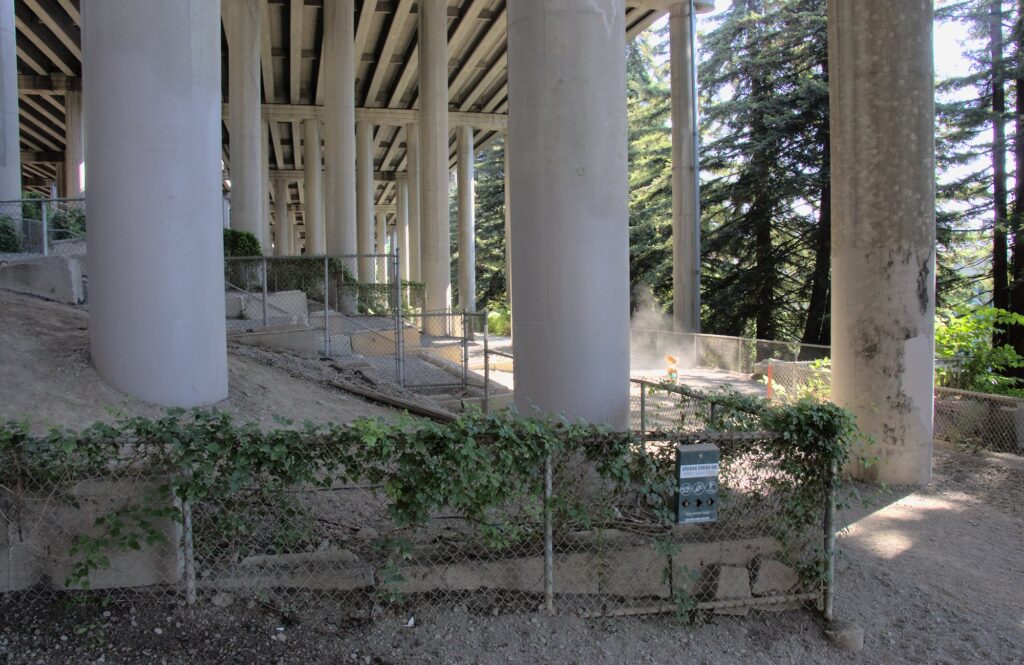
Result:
{"points": [[487, 368], [399, 324], [46, 230], [327, 306], [828, 588], [465, 351], [549, 539], [265, 294]]}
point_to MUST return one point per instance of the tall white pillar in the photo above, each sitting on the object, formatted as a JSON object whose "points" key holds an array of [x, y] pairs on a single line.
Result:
{"points": [[380, 247], [268, 235], [74, 144], [245, 127], [282, 220], [570, 228], [883, 228], [685, 194], [467, 219], [364, 200], [402, 228], [10, 141], [312, 162], [435, 232], [414, 247], [156, 265], [340, 127]]}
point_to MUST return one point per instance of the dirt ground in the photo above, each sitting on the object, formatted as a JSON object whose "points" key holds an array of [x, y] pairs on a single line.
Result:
{"points": [[45, 374], [933, 576]]}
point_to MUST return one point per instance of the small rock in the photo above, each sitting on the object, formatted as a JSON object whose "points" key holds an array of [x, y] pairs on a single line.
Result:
{"points": [[367, 533], [158, 631], [846, 635], [411, 622], [494, 612], [280, 637], [223, 599]]}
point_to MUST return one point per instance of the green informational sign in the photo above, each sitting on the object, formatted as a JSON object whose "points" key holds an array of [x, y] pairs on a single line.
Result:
{"points": [[697, 472]]}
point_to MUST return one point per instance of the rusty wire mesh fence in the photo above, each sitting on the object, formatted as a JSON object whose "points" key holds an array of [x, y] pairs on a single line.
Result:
{"points": [[979, 420], [587, 529]]}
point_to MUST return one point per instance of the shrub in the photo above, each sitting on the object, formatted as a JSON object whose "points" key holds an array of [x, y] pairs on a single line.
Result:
{"points": [[241, 243], [10, 241], [968, 359]]}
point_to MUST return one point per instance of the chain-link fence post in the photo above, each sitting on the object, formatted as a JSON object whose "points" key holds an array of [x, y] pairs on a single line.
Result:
{"points": [[399, 323], [46, 228], [828, 588], [327, 307], [265, 290], [465, 351], [643, 411], [549, 538], [487, 368], [188, 553]]}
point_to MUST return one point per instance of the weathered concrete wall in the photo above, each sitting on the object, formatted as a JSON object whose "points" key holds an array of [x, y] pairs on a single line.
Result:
{"points": [[52, 277], [36, 548], [883, 228]]}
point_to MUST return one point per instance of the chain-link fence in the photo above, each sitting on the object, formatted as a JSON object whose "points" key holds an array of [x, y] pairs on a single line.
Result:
{"points": [[42, 227], [979, 420], [589, 525], [661, 350]]}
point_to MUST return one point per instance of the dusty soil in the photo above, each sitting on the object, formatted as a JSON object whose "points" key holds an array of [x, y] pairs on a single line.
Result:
{"points": [[933, 576], [45, 375]]}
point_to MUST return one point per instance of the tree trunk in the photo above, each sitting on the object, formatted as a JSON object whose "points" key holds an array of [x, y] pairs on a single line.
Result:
{"points": [[1000, 273], [1016, 222], [817, 329]]}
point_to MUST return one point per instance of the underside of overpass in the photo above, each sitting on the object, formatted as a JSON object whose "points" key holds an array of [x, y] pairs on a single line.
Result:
{"points": [[319, 114]]}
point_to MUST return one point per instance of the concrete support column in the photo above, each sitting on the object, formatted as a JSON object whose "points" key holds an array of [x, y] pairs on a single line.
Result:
{"points": [[340, 126], [467, 220], [156, 263], [883, 229], [685, 194], [364, 200], [74, 144], [402, 228], [245, 127], [10, 140], [268, 235], [282, 220], [412, 166], [570, 227], [435, 229], [381, 248], [313, 215]]}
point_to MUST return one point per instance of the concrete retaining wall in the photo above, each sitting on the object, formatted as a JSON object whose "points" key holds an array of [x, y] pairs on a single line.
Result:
{"points": [[52, 277]]}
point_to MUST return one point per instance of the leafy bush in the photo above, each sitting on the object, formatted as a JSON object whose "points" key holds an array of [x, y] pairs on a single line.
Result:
{"points": [[10, 240], [967, 358], [241, 243], [499, 318], [71, 221]]}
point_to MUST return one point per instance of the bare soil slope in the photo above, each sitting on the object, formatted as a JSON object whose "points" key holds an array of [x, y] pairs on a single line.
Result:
{"points": [[45, 375]]}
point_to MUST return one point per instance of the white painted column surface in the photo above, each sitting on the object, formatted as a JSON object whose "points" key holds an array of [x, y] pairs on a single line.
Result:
{"points": [[282, 220], [74, 144], [312, 162], [467, 219], [883, 229], [435, 231], [414, 247], [245, 128], [340, 127], [156, 297], [570, 239], [402, 228], [364, 201], [380, 247], [685, 195], [10, 141], [267, 240]]}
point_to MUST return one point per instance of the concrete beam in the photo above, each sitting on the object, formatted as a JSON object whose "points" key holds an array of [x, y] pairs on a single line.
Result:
{"points": [[55, 84], [44, 156], [494, 122]]}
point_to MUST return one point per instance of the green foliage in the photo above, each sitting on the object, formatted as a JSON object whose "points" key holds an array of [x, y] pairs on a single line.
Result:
{"points": [[10, 240], [68, 223], [241, 243], [499, 319], [487, 469], [968, 359]]}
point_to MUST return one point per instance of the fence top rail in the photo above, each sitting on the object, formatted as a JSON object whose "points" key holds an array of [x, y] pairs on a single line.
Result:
{"points": [[308, 257], [1005, 399], [732, 337], [44, 200], [680, 390]]}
